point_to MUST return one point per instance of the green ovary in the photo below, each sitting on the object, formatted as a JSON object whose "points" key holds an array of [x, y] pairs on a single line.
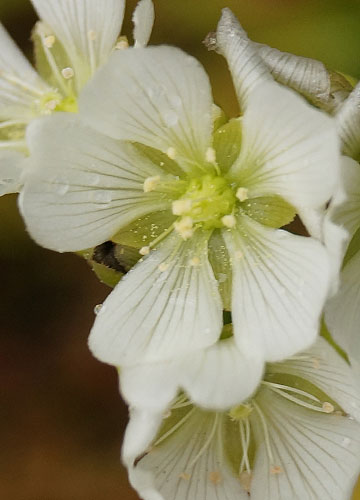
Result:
{"points": [[53, 101], [206, 200]]}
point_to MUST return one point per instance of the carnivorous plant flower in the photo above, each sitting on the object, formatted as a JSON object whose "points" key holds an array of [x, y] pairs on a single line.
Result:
{"points": [[296, 438], [151, 164], [72, 40]]}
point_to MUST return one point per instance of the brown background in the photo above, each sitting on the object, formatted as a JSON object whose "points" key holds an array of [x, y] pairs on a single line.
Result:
{"points": [[61, 419]]}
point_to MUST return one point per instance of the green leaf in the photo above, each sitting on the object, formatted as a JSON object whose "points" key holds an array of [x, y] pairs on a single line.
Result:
{"points": [[227, 143], [106, 275], [159, 159], [272, 211], [220, 261]]}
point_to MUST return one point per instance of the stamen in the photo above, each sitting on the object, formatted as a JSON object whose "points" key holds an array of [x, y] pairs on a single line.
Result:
{"points": [[328, 407], [67, 73], [291, 389], [150, 183], [174, 428], [245, 480], [92, 35], [144, 250], [242, 193], [51, 61], [215, 477], [229, 221], [185, 227], [323, 407], [210, 155], [91, 38], [171, 153], [11, 123], [24, 85], [195, 261], [164, 266], [12, 145], [276, 469], [49, 41], [266, 432], [207, 442], [245, 442], [180, 207], [122, 43]]}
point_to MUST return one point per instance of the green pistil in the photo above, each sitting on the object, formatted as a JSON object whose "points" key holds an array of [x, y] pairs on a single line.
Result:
{"points": [[240, 412], [206, 200], [53, 101]]}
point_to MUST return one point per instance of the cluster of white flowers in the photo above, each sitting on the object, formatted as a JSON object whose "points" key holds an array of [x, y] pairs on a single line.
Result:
{"points": [[235, 338]]}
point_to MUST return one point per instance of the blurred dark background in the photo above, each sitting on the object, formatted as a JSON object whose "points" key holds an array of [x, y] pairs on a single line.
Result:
{"points": [[61, 420]]}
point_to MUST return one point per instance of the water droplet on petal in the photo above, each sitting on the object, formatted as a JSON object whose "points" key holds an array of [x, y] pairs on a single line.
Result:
{"points": [[98, 308]]}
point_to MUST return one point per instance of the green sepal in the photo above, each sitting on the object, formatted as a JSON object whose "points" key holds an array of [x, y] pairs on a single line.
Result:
{"points": [[219, 117], [108, 276], [227, 143], [353, 248], [160, 159], [271, 211], [220, 261], [324, 332], [144, 230]]}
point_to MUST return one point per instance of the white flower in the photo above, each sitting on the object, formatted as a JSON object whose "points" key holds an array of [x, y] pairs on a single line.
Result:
{"points": [[72, 40], [203, 205], [295, 439], [342, 312]]}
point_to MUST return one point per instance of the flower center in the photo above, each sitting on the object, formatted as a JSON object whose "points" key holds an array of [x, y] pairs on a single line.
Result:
{"points": [[209, 201]]}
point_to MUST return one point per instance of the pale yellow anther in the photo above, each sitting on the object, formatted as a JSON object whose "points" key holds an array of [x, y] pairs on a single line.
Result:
{"points": [[171, 153], [215, 477], [49, 41], [167, 414], [92, 35], [67, 73], [185, 476], [276, 469], [144, 250], [180, 207], [122, 43], [210, 155], [51, 105], [245, 480], [328, 407], [195, 261], [184, 227], [229, 221], [163, 267], [316, 363], [242, 194], [238, 254], [150, 183]]}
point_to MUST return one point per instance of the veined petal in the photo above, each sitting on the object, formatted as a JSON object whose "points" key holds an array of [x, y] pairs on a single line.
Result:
{"points": [[163, 308], [347, 212], [280, 282], [190, 464], [314, 455], [11, 168], [342, 312], [246, 66], [143, 19], [20, 85], [348, 123], [82, 187], [216, 378], [162, 98], [307, 76], [326, 369], [289, 149], [87, 30], [222, 375]]}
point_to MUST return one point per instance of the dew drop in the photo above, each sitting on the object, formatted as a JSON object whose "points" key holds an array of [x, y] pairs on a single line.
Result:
{"points": [[346, 442], [98, 308], [103, 197], [171, 118], [62, 189]]}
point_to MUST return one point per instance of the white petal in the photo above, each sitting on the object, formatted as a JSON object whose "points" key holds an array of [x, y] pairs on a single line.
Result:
{"points": [[162, 98], [143, 19], [218, 377], [82, 187], [348, 122], [326, 369], [347, 212], [164, 307], [318, 455], [246, 66], [280, 282], [188, 465], [20, 85], [307, 76], [11, 168], [87, 30], [288, 148], [151, 386], [221, 376], [342, 312]]}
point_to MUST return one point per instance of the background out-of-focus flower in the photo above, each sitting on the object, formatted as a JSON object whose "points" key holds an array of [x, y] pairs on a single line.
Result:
{"points": [[62, 419]]}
